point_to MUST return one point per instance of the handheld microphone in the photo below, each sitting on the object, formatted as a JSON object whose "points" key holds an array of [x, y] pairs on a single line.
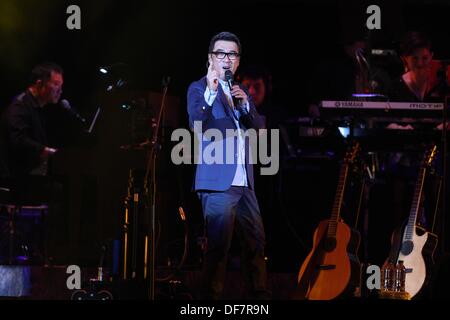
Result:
{"points": [[66, 105], [229, 78], [247, 117], [230, 81]]}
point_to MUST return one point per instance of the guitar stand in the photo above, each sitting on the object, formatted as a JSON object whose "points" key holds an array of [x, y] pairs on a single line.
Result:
{"points": [[438, 201], [368, 180]]}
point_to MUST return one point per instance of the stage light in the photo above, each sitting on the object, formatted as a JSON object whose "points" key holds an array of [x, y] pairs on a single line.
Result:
{"points": [[369, 95], [115, 68], [365, 95]]}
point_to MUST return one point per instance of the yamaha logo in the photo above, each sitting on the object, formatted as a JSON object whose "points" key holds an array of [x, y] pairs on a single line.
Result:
{"points": [[348, 104]]}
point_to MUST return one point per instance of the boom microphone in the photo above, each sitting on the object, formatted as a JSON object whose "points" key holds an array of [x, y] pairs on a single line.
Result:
{"points": [[66, 105]]}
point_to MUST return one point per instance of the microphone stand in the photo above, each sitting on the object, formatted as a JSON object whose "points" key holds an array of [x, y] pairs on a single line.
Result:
{"points": [[150, 197], [445, 91]]}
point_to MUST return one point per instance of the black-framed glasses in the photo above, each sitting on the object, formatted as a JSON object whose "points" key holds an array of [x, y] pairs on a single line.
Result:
{"points": [[221, 55]]}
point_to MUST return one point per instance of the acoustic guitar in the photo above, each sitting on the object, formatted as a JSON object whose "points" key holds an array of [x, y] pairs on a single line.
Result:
{"points": [[332, 268], [413, 244]]}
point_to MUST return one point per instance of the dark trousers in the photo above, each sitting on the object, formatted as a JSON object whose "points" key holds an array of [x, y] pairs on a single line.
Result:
{"points": [[223, 211]]}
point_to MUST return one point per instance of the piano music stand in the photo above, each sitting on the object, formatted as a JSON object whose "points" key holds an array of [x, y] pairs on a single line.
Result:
{"points": [[94, 120]]}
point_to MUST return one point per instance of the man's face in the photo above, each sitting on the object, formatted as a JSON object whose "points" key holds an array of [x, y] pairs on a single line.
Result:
{"points": [[50, 90], [228, 62], [419, 61], [256, 88]]}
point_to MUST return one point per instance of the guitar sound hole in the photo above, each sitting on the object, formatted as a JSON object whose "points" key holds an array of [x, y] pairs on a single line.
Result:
{"points": [[407, 247], [329, 244]]}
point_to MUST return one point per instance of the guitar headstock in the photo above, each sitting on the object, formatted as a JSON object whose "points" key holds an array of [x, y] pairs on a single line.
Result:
{"points": [[352, 152], [429, 156]]}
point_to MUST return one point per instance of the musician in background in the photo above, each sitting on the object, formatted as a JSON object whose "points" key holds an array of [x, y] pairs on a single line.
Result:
{"points": [[258, 80], [26, 145], [24, 122], [419, 82]]}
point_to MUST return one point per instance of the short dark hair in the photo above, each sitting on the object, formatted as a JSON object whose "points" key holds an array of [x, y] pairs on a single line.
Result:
{"points": [[43, 72], [412, 41], [225, 36]]}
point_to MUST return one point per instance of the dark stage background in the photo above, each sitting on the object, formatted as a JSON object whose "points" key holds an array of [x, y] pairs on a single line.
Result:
{"points": [[170, 38]]}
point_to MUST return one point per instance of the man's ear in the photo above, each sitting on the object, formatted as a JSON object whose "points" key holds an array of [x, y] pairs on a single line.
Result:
{"points": [[209, 60], [405, 65]]}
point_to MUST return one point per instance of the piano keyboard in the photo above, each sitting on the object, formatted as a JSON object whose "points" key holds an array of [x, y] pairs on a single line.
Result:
{"points": [[382, 105]]}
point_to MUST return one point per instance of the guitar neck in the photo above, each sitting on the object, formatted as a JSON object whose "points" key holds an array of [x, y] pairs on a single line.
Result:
{"points": [[335, 214], [418, 191]]}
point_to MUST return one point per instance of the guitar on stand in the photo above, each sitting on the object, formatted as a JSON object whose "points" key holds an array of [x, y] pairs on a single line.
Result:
{"points": [[413, 244], [332, 268]]}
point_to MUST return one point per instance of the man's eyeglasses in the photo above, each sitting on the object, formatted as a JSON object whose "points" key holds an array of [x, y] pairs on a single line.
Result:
{"points": [[221, 55]]}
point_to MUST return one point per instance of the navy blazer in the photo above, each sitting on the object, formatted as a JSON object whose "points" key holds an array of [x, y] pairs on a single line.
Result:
{"points": [[217, 176]]}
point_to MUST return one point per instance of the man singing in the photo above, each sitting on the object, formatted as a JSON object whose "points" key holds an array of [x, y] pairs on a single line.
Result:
{"points": [[226, 190]]}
